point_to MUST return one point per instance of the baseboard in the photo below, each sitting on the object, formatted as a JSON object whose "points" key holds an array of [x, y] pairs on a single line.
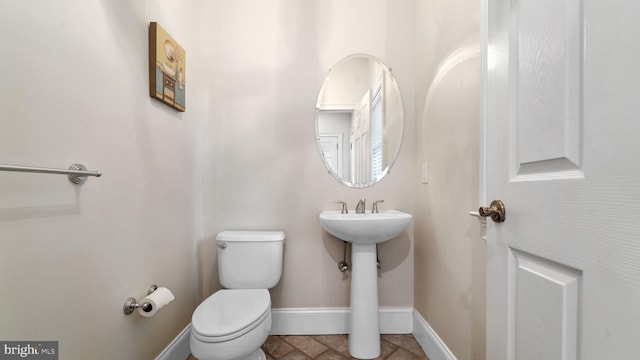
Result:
{"points": [[316, 321], [179, 348], [433, 346]]}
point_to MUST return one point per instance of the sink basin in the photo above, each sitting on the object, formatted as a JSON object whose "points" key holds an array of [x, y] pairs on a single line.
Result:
{"points": [[365, 228]]}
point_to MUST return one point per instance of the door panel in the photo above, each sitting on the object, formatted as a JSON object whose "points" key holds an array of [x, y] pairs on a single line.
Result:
{"points": [[545, 75], [545, 298]]}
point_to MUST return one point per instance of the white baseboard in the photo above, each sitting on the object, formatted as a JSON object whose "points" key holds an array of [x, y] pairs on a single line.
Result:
{"points": [[309, 321], [316, 321], [433, 346], [179, 348]]}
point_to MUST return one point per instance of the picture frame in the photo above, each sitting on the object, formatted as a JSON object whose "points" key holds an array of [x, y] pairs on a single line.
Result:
{"points": [[167, 68]]}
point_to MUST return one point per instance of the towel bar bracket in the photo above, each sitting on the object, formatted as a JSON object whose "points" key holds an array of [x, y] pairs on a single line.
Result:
{"points": [[75, 178]]}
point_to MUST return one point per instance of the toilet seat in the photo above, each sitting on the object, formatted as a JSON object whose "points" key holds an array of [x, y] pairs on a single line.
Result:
{"points": [[228, 314]]}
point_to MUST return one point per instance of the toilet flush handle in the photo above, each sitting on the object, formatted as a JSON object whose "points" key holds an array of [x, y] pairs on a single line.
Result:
{"points": [[222, 245]]}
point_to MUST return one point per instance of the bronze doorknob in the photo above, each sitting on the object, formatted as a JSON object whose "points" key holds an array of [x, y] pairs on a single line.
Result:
{"points": [[496, 211]]}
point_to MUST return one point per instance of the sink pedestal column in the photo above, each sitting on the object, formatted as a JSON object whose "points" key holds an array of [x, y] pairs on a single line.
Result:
{"points": [[364, 329]]}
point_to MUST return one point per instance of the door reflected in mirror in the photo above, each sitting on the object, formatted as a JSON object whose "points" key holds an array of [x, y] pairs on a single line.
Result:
{"points": [[359, 120]]}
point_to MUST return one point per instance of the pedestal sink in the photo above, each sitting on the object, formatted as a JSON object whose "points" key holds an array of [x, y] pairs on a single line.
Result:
{"points": [[364, 231]]}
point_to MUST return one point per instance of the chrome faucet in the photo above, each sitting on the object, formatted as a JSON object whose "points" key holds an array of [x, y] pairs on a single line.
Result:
{"points": [[361, 205]]}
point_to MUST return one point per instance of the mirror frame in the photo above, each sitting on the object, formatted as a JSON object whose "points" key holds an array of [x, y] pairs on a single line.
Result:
{"points": [[396, 153]]}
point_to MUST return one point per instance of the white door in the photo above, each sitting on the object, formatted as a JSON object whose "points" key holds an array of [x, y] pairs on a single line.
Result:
{"points": [[331, 146], [563, 154]]}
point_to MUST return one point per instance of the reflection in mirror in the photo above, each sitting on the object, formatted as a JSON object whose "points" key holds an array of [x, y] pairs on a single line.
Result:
{"points": [[359, 120]]}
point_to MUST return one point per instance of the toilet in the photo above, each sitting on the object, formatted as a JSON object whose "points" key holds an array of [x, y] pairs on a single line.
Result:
{"points": [[235, 321]]}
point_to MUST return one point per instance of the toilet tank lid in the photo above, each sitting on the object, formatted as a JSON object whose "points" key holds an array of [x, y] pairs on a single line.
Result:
{"points": [[251, 236]]}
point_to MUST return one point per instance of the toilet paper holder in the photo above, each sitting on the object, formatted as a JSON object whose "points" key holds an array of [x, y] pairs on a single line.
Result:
{"points": [[131, 304]]}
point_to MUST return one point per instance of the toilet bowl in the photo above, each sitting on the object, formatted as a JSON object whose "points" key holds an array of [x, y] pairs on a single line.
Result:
{"points": [[231, 324], [234, 322]]}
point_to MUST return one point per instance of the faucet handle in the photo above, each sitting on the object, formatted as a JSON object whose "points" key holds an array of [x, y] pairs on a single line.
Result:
{"points": [[374, 210], [344, 207]]}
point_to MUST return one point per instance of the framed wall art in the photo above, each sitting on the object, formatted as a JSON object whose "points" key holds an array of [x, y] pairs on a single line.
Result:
{"points": [[167, 70]]}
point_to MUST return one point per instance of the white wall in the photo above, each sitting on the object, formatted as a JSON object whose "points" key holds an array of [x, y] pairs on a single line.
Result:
{"points": [[74, 88], [266, 63], [449, 254]]}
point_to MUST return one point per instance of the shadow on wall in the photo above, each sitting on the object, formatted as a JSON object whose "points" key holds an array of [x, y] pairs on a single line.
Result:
{"points": [[459, 56], [48, 197], [207, 267], [391, 253]]}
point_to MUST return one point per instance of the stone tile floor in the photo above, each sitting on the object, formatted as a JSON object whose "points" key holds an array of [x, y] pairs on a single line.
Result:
{"points": [[336, 347]]}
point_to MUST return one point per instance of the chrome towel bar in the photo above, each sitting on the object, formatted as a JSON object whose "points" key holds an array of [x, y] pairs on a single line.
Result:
{"points": [[77, 172]]}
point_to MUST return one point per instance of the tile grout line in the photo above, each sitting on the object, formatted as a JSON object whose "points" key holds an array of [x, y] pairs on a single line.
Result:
{"points": [[327, 346], [393, 352], [328, 349]]}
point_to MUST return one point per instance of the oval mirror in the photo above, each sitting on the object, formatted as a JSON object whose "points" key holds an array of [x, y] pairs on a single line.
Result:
{"points": [[359, 120]]}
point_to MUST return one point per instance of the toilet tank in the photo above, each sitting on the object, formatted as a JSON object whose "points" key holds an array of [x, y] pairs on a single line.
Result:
{"points": [[250, 259]]}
